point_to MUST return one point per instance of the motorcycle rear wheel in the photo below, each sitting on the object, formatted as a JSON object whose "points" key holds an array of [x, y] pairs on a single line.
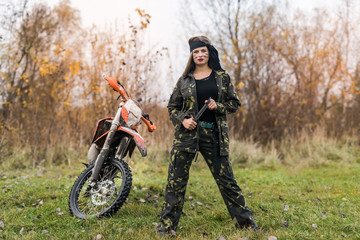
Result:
{"points": [[112, 189]]}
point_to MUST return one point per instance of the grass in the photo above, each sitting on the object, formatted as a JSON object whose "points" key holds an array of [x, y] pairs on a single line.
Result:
{"points": [[289, 199]]}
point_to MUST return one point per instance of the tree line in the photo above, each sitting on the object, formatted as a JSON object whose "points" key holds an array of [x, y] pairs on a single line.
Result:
{"points": [[293, 73], [52, 92]]}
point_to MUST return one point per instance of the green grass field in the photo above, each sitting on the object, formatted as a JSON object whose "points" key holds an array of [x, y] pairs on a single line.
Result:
{"points": [[289, 202]]}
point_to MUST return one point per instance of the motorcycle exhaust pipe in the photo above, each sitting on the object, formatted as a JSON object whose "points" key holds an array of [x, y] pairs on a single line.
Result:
{"points": [[93, 153]]}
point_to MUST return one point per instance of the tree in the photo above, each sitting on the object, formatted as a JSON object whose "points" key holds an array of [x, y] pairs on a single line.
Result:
{"points": [[38, 63], [51, 73], [292, 73]]}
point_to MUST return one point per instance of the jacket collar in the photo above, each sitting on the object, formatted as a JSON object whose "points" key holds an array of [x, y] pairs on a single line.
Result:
{"points": [[218, 78]]}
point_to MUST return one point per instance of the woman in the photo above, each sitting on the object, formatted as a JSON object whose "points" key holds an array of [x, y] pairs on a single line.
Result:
{"points": [[203, 78]]}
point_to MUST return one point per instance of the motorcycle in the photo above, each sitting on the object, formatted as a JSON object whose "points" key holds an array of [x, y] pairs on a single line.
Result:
{"points": [[103, 187]]}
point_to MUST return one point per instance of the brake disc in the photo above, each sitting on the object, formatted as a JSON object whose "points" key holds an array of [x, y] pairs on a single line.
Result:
{"points": [[104, 191]]}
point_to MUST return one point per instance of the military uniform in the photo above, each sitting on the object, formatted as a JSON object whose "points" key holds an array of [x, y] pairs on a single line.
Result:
{"points": [[213, 144]]}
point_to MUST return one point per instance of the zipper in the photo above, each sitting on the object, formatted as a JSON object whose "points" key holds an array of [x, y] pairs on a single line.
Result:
{"points": [[196, 111], [219, 85]]}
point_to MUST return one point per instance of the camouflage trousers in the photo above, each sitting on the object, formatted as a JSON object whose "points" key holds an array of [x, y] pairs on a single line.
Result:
{"points": [[220, 167]]}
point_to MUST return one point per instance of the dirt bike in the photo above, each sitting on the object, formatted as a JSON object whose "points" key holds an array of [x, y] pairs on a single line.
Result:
{"points": [[103, 187]]}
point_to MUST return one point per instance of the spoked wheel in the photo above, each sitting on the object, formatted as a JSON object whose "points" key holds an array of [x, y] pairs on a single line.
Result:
{"points": [[107, 196]]}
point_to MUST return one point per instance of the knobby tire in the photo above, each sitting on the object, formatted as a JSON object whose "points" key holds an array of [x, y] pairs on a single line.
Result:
{"points": [[116, 178]]}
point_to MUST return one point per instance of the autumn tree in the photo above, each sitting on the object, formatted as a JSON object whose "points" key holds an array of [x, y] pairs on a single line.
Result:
{"points": [[125, 56], [292, 72], [51, 76], [38, 64]]}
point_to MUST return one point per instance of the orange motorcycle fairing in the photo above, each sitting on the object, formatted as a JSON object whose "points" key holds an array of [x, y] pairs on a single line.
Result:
{"points": [[103, 127], [139, 141]]}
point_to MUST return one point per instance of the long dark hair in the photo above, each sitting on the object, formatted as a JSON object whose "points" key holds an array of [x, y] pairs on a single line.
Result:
{"points": [[213, 58]]}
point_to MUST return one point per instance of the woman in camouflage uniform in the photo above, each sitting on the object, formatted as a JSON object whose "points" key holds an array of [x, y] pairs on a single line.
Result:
{"points": [[203, 78]]}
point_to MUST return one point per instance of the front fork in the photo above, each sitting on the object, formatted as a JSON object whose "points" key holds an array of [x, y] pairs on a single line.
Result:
{"points": [[106, 148]]}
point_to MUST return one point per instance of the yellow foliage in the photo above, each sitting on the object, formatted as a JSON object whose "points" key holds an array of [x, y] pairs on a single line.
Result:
{"points": [[318, 112], [24, 76], [74, 68], [144, 25], [145, 18], [143, 14], [43, 71], [140, 12], [67, 52], [59, 49], [353, 87], [46, 68], [243, 110]]}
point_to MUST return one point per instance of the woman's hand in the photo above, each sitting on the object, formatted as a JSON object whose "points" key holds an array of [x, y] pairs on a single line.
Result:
{"points": [[212, 104], [189, 123]]}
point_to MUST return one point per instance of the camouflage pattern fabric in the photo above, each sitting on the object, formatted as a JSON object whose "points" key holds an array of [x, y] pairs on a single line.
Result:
{"points": [[183, 104], [220, 167], [213, 144]]}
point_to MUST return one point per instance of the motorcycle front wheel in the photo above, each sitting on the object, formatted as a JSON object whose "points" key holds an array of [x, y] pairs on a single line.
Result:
{"points": [[107, 196]]}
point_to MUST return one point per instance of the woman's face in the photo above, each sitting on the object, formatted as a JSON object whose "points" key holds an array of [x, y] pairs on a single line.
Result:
{"points": [[201, 55]]}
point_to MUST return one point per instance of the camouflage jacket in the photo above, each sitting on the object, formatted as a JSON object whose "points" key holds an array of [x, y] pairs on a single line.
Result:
{"points": [[183, 104]]}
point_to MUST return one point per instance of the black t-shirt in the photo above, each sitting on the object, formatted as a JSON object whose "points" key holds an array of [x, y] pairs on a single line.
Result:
{"points": [[205, 88]]}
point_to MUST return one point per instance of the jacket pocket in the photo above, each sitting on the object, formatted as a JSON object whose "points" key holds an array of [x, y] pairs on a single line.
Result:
{"points": [[184, 139]]}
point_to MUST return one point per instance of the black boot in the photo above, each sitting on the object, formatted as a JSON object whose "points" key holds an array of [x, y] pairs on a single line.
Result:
{"points": [[253, 227], [162, 231]]}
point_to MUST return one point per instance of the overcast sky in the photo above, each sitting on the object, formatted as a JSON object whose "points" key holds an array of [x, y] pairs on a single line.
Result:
{"points": [[165, 28], [165, 24]]}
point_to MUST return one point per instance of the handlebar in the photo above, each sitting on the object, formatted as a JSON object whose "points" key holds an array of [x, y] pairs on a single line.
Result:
{"points": [[113, 83], [151, 127]]}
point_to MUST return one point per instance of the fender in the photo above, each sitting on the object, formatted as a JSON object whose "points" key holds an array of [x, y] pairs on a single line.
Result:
{"points": [[139, 141]]}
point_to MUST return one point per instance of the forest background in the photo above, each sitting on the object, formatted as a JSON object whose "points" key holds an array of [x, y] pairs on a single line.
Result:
{"points": [[295, 73], [294, 141]]}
